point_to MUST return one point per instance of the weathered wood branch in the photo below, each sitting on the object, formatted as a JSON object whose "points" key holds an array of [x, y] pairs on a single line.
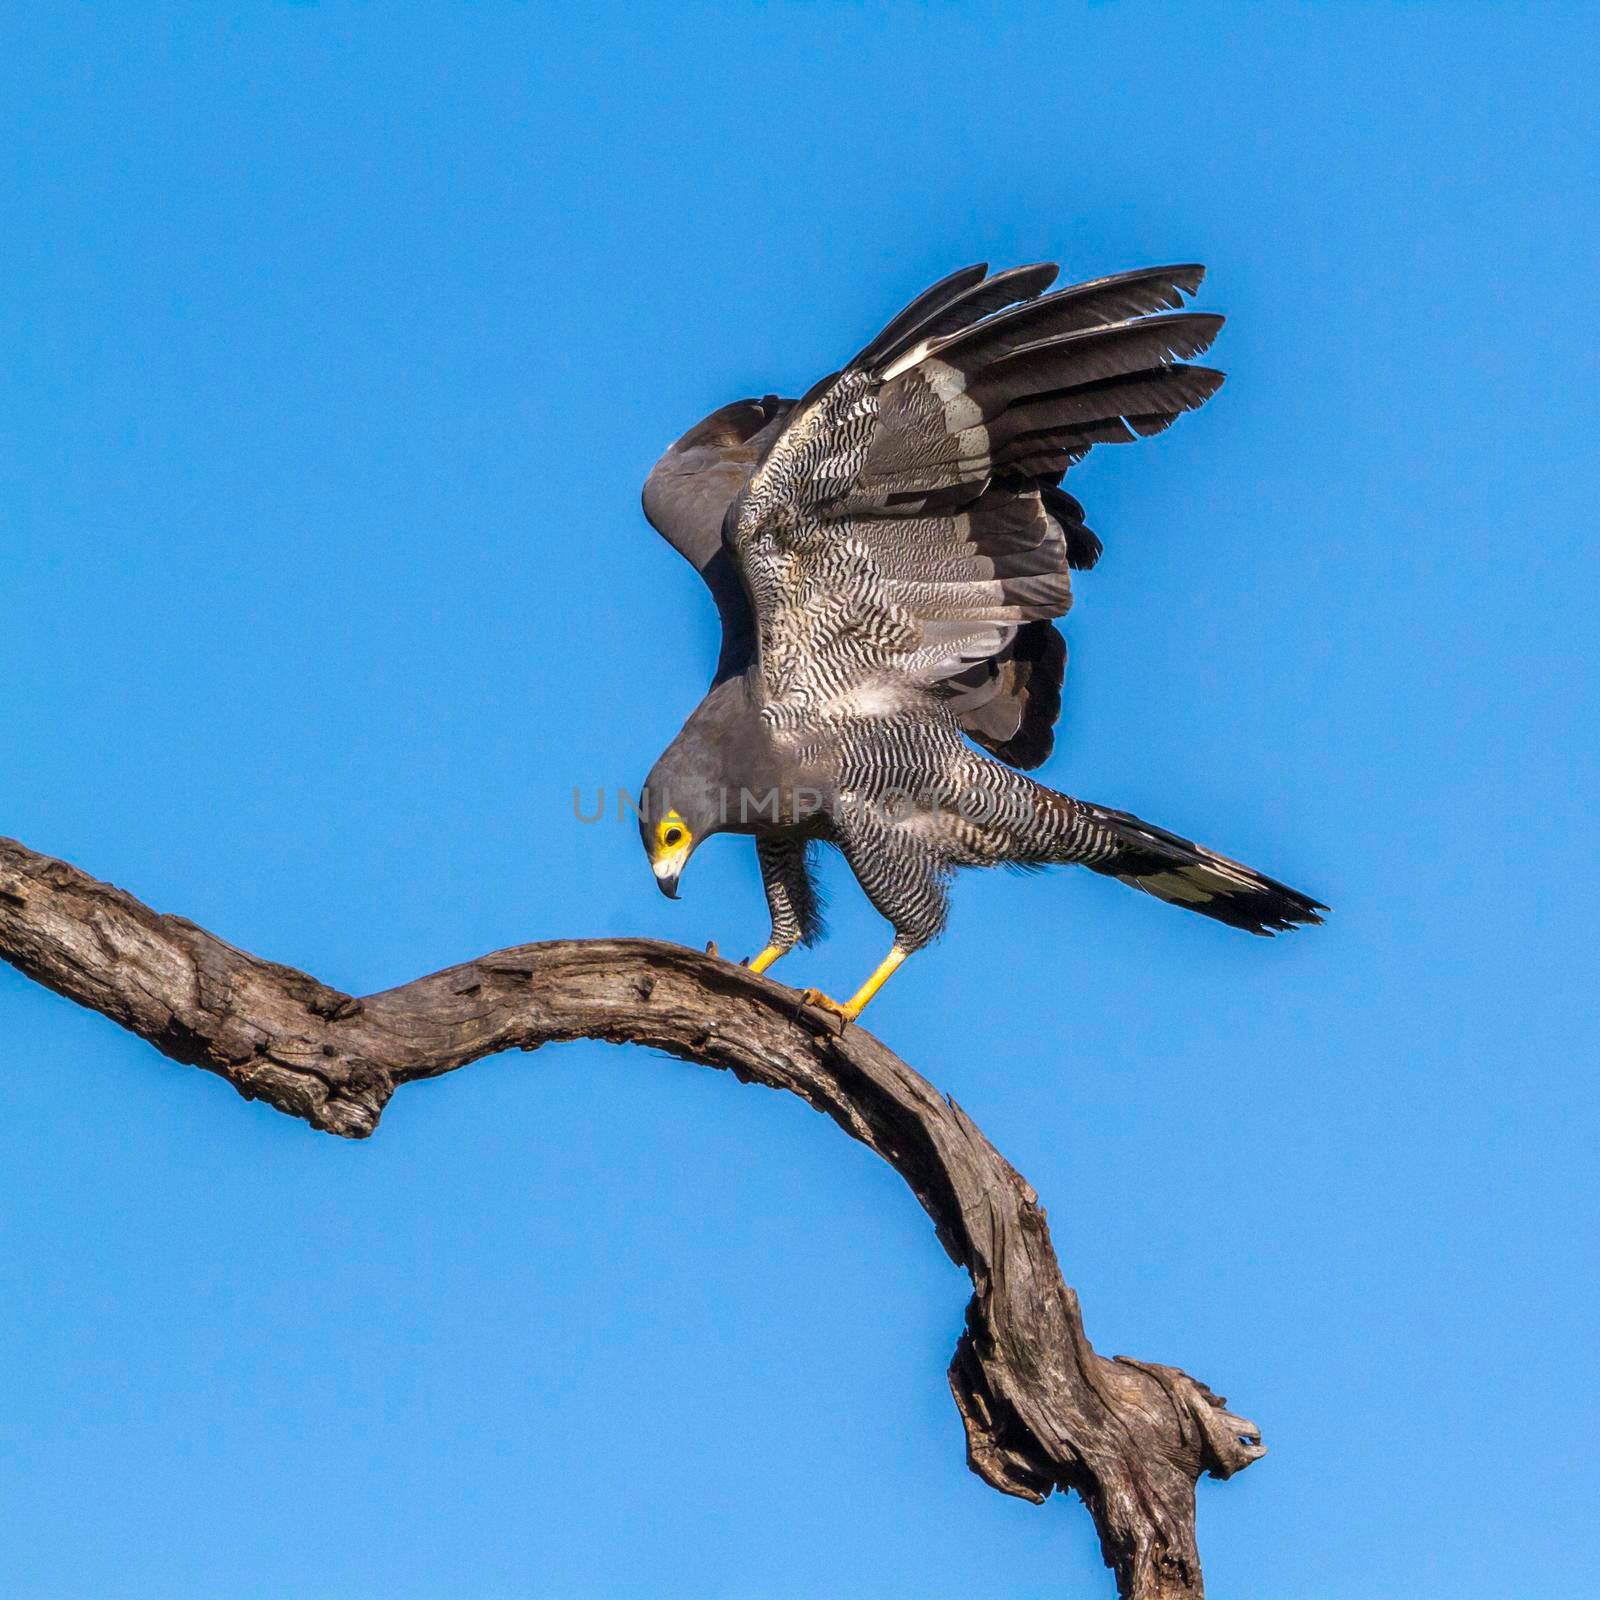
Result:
{"points": [[1041, 1409]]}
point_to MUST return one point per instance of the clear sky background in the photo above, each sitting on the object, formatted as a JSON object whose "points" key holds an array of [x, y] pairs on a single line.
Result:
{"points": [[335, 343]]}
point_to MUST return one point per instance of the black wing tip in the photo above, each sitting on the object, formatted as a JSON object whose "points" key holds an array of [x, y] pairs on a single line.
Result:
{"points": [[1184, 276], [949, 287], [1168, 286], [1046, 271], [963, 299], [1041, 651], [1084, 546], [1042, 647], [1200, 327]]}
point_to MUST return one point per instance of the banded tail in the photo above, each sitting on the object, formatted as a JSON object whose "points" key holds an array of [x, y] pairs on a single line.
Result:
{"points": [[1184, 873]]}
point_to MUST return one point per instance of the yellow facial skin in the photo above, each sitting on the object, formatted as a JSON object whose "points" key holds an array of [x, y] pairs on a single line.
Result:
{"points": [[673, 842]]}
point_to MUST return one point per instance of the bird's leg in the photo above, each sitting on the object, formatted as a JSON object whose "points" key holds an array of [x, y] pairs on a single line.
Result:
{"points": [[857, 1003], [790, 896], [904, 880], [881, 974]]}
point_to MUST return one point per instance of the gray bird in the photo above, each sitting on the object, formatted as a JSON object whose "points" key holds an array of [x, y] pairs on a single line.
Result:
{"points": [[888, 554]]}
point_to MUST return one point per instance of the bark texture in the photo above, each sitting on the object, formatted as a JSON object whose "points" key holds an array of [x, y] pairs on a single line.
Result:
{"points": [[1042, 1409]]}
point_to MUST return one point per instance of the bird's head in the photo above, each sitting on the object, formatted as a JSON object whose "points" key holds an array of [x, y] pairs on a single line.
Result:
{"points": [[677, 813], [692, 791]]}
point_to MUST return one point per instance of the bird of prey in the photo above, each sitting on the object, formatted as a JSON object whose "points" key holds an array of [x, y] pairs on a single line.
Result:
{"points": [[888, 555]]}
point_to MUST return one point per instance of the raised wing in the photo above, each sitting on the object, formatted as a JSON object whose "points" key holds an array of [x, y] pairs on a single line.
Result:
{"points": [[688, 494], [904, 533]]}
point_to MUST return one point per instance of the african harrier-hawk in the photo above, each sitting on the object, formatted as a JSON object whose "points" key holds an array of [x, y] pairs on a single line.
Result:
{"points": [[887, 555]]}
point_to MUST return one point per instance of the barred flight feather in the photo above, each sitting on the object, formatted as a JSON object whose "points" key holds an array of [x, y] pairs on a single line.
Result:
{"points": [[890, 553]]}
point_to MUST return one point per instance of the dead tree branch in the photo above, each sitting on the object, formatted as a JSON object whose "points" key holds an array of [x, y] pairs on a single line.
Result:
{"points": [[1041, 1409]]}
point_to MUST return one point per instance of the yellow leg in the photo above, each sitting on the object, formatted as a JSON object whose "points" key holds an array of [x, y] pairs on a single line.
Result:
{"points": [[853, 1007], [761, 962]]}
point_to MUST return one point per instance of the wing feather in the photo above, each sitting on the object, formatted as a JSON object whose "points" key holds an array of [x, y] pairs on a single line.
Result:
{"points": [[903, 525], [953, 312], [686, 498], [923, 309]]}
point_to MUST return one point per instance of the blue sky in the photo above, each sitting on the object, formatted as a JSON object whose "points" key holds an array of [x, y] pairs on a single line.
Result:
{"points": [[336, 343]]}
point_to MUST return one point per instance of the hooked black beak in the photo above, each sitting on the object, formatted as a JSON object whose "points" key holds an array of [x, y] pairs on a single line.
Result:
{"points": [[667, 880]]}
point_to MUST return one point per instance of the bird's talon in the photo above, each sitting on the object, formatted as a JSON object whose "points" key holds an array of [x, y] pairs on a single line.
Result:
{"points": [[821, 1002]]}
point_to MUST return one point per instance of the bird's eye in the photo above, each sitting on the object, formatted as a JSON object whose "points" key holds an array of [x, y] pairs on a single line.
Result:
{"points": [[672, 838]]}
